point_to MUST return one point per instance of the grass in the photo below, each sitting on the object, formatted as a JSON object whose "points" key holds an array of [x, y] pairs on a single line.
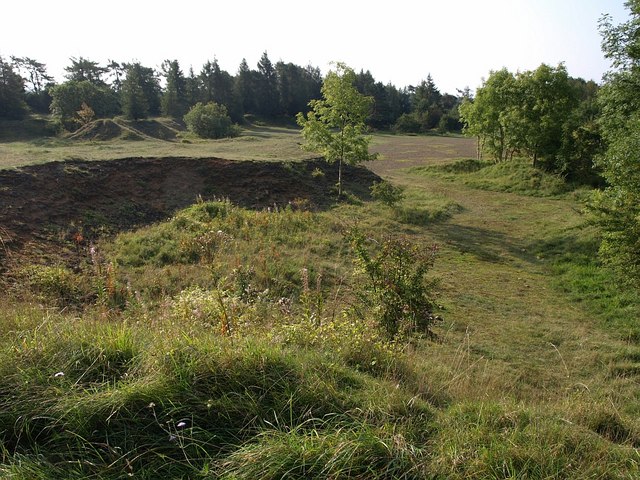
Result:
{"points": [[254, 143], [197, 347], [515, 176]]}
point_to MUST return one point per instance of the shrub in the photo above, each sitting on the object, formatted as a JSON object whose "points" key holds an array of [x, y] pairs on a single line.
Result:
{"points": [[55, 284], [395, 284], [387, 193], [407, 123], [210, 121]]}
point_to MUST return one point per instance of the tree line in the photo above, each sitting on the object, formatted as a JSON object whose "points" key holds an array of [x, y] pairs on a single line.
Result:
{"points": [[92, 90]]}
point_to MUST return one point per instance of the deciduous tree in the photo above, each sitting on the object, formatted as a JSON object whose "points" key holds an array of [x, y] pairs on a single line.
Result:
{"points": [[335, 126], [618, 205]]}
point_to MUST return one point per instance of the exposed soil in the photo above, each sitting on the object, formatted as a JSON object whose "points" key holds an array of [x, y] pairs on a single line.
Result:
{"points": [[45, 206]]}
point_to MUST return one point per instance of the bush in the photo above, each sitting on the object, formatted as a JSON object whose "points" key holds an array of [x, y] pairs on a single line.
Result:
{"points": [[394, 283], [407, 123], [210, 121], [56, 284], [387, 193]]}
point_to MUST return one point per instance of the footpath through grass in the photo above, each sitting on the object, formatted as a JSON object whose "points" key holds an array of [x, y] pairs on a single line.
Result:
{"points": [[226, 343]]}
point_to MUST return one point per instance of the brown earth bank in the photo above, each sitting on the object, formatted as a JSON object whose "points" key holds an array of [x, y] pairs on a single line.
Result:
{"points": [[58, 202]]}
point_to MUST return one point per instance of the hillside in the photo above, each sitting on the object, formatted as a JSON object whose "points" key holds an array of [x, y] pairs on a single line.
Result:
{"points": [[227, 340]]}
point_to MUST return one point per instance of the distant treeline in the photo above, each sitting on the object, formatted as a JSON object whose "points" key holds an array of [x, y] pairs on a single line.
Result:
{"points": [[271, 91]]}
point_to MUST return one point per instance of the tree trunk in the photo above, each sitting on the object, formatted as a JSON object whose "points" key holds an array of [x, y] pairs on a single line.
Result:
{"points": [[340, 178]]}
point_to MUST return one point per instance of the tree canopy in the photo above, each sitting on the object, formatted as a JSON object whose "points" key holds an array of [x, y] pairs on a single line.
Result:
{"points": [[618, 205], [542, 114], [335, 126]]}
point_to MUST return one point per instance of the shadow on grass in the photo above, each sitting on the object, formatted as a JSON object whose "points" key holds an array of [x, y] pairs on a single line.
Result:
{"points": [[580, 275], [485, 244]]}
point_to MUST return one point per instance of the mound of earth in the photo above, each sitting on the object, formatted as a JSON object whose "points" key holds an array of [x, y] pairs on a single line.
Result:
{"points": [[105, 129], [53, 203], [165, 130]]}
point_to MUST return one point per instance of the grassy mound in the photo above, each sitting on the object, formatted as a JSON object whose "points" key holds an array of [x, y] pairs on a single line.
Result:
{"points": [[106, 129], [83, 398], [103, 130], [159, 128], [30, 128], [513, 176]]}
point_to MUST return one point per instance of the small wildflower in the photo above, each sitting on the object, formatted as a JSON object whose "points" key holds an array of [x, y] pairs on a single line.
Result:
{"points": [[181, 424], [172, 438], [58, 375], [151, 405]]}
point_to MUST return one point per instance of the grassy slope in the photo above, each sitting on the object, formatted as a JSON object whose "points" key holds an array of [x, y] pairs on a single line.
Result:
{"points": [[535, 375]]}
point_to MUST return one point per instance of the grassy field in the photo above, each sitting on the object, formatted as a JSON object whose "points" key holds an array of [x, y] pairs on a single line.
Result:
{"points": [[228, 343], [255, 143]]}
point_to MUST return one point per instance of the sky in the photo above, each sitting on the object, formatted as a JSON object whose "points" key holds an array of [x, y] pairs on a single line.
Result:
{"points": [[400, 42]]}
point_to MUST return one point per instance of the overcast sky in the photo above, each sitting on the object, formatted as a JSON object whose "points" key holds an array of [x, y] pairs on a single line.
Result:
{"points": [[458, 41]]}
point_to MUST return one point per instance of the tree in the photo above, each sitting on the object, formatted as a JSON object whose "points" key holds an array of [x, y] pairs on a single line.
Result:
{"points": [[244, 87], [541, 105], [133, 98], [83, 69], [148, 87], [116, 72], [209, 121], [335, 125], [37, 82], [173, 100], [192, 88], [218, 87], [296, 87], [267, 87], [68, 97], [617, 207], [427, 103], [12, 104], [484, 116]]}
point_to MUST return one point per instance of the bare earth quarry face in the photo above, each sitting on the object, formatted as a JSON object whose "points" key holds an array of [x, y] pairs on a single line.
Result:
{"points": [[54, 202]]}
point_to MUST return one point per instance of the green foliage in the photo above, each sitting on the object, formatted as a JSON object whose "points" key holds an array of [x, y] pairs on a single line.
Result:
{"points": [[483, 116], [543, 114], [68, 99], [174, 101], [515, 176], [338, 452], [407, 123], [132, 96], [335, 125], [12, 104], [85, 70], [54, 284], [617, 207], [394, 282], [387, 193], [210, 121], [89, 399], [508, 442]]}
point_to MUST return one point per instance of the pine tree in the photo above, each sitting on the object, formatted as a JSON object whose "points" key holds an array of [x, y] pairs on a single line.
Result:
{"points": [[134, 101]]}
